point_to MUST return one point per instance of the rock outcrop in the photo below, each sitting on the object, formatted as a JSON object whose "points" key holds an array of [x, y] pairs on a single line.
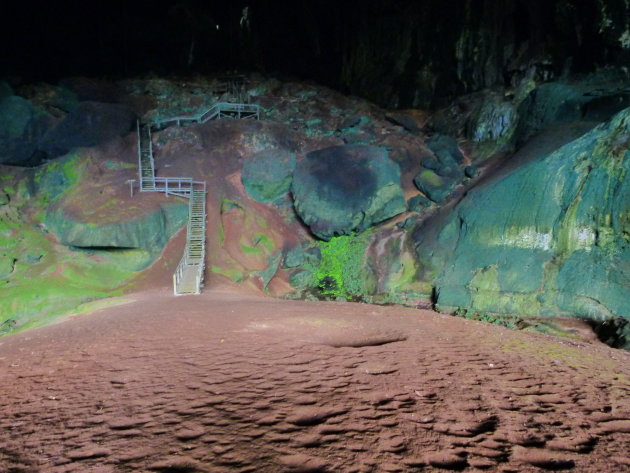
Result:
{"points": [[150, 232], [23, 125], [552, 238], [89, 124], [267, 175], [342, 189], [443, 172]]}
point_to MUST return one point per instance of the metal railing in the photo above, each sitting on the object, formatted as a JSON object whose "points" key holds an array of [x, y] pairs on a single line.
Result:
{"points": [[188, 277], [146, 164], [220, 110], [179, 186]]}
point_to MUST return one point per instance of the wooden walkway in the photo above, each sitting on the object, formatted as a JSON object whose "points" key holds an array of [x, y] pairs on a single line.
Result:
{"points": [[188, 277]]}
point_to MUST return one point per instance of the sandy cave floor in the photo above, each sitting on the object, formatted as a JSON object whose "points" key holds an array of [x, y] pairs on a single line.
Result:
{"points": [[229, 381]]}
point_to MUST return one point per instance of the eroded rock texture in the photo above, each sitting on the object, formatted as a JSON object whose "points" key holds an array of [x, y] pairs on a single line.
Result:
{"points": [[551, 238], [342, 189]]}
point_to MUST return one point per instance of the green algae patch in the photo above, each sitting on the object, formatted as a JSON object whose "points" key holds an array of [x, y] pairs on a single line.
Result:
{"points": [[42, 277], [232, 274], [147, 234], [341, 273], [549, 239], [55, 283], [57, 177]]}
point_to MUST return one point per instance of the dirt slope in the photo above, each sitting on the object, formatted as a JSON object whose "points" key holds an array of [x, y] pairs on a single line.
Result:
{"points": [[233, 382]]}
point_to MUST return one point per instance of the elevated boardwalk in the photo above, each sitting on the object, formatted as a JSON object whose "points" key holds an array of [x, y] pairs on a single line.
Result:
{"points": [[219, 111], [188, 277]]}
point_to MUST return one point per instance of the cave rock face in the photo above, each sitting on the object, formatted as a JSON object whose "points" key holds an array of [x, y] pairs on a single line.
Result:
{"points": [[442, 173], [267, 174], [23, 124], [549, 239], [89, 124], [342, 189]]}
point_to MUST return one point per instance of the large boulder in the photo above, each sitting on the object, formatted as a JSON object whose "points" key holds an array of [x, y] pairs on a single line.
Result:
{"points": [[149, 232], [89, 124], [342, 189], [267, 175], [23, 125], [552, 238]]}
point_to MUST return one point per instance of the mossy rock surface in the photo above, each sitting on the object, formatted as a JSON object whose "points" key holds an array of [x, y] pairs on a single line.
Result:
{"points": [[267, 175], [443, 172], [342, 189], [552, 238], [149, 232]]}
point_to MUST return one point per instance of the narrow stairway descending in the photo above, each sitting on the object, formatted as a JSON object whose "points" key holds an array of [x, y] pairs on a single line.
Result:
{"points": [[188, 277], [147, 165]]}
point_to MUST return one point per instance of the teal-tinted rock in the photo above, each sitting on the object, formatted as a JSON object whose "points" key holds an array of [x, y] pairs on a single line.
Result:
{"points": [[89, 124], [23, 125], [417, 203], [470, 171], [445, 149], [443, 172], [342, 189], [431, 163], [270, 271], [267, 175], [302, 256], [302, 280], [150, 232], [434, 186], [15, 113], [549, 239]]}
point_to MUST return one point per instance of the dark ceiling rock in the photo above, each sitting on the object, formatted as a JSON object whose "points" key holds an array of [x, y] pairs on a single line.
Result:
{"points": [[89, 124], [93, 90], [342, 189], [399, 54], [421, 54]]}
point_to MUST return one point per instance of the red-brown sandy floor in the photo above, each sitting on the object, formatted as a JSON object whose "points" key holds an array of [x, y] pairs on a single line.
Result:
{"points": [[231, 382]]}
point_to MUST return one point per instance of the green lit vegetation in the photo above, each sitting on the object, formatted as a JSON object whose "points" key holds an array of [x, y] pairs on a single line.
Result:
{"points": [[340, 273], [42, 280], [54, 283]]}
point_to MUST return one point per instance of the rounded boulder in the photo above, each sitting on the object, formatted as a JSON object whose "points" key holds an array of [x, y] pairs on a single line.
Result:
{"points": [[343, 189]]}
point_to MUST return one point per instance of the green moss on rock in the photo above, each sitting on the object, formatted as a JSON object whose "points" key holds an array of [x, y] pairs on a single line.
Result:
{"points": [[343, 189], [552, 238], [267, 175], [149, 232]]}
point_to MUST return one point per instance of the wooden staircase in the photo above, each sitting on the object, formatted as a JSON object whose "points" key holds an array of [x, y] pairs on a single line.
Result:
{"points": [[145, 158], [188, 277]]}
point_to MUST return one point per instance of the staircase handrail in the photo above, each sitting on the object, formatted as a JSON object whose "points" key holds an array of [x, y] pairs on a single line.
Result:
{"points": [[209, 114]]}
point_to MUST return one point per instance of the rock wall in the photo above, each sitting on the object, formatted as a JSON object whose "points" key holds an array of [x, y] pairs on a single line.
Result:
{"points": [[552, 238]]}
